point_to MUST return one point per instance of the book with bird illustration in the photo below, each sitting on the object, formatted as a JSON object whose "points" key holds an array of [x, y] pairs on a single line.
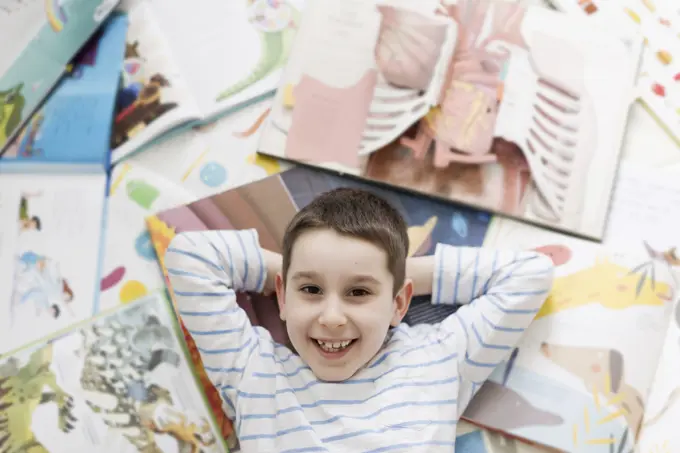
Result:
{"points": [[39, 40], [489, 103], [183, 70], [121, 382]]}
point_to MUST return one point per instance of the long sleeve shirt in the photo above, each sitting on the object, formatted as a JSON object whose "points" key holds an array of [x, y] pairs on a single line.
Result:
{"points": [[409, 397]]}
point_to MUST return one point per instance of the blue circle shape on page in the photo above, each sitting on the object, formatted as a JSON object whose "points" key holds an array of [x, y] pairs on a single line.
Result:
{"points": [[213, 174], [144, 246]]}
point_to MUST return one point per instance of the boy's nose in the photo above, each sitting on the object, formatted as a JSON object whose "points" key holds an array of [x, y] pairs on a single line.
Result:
{"points": [[332, 314]]}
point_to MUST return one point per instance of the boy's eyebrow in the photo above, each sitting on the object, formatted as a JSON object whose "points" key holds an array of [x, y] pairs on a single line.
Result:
{"points": [[365, 279], [304, 275]]}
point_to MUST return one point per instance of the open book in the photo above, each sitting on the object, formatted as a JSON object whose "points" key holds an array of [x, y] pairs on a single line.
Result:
{"points": [[39, 39], [269, 204], [52, 199], [485, 102], [659, 22], [119, 383], [185, 69]]}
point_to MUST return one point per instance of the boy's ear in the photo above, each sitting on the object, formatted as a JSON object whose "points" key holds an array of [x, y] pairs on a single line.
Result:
{"points": [[401, 302], [280, 295]]}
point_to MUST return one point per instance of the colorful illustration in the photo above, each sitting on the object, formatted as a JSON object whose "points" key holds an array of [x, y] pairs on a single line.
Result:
{"points": [[471, 104], [276, 21], [27, 221], [56, 15], [140, 97], [12, 104], [22, 390], [270, 203]]}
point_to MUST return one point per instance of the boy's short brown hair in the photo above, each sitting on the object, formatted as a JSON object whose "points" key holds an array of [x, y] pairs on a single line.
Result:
{"points": [[354, 213]]}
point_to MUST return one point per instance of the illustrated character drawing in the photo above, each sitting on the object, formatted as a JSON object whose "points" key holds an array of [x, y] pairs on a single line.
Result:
{"points": [[138, 103], [602, 372], [27, 221], [22, 390], [12, 103], [119, 364], [472, 87], [276, 22]]}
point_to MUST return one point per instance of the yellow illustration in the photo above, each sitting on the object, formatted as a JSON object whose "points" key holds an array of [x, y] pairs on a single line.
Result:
{"points": [[419, 235], [161, 235], [268, 164], [662, 447], [605, 283], [288, 98]]}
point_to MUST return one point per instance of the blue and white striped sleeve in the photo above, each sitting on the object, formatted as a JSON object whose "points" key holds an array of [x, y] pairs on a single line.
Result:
{"points": [[205, 269], [502, 290]]}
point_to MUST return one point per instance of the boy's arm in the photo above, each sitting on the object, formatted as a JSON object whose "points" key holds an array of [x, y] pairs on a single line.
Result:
{"points": [[205, 269], [503, 291]]}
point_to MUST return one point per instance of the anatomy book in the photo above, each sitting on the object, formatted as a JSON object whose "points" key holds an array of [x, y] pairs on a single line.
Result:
{"points": [[119, 383], [269, 204], [488, 103], [39, 39], [72, 129], [597, 371], [659, 22], [184, 69]]}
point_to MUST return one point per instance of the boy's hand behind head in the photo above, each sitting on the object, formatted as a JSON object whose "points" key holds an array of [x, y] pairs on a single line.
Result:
{"points": [[342, 283]]}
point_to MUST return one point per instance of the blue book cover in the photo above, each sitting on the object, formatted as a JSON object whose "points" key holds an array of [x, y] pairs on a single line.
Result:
{"points": [[46, 34], [74, 125]]}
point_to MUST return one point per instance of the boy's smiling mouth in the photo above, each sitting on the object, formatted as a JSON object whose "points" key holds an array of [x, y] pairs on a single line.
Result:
{"points": [[333, 349]]}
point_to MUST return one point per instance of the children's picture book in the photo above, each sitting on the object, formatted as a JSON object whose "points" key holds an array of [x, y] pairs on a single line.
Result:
{"points": [[119, 383], [270, 203], [595, 370], [659, 22], [73, 128], [50, 241], [187, 69], [485, 102], [45, 36]]}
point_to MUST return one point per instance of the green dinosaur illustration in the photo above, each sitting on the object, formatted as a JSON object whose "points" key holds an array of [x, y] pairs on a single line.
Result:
{"points": [[11, 107], [276, 46], [22, 390]]}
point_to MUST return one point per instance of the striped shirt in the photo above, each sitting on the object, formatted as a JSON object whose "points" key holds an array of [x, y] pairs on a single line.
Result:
{"points": [[409, 397]]}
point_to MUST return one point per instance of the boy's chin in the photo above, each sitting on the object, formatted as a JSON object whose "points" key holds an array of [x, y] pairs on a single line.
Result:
{"points": [[329, 374]]}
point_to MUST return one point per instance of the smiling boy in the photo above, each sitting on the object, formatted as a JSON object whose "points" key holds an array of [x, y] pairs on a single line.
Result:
{"points": [[360, 380]]}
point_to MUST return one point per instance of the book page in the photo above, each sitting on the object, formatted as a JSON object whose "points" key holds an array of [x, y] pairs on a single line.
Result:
{"points": [[118, 384], [230, 52], [154, 96], [21, 20], [585, 368], [49, 254]]}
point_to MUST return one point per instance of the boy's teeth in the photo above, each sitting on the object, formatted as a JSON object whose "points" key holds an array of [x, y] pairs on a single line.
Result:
{"points": [[333, 346]]}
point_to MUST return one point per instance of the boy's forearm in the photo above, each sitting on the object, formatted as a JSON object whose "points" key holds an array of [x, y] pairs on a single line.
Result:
{"points": [[420, 271]]}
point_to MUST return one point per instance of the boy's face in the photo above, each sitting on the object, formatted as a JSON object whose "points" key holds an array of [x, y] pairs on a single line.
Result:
{"points": [[338, 302]]}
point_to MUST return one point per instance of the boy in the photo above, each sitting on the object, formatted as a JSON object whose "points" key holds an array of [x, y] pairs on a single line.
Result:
{"points": [[361, 381]]}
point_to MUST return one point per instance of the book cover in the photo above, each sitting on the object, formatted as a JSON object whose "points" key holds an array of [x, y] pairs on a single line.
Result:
{"points": [[46, 34], [74, 124], [487, 103]]}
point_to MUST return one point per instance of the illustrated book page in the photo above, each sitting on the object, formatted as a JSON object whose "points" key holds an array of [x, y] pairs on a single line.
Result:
{"points": [[121, 383], [269, 204], [231, 53], [659, 22], [73, 126], [32, 64], [582, 375], [50, 241], [486, 102], [154, 97]]}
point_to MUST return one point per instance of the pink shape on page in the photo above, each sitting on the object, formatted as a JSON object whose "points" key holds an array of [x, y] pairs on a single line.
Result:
{"points": [[328, 123]]}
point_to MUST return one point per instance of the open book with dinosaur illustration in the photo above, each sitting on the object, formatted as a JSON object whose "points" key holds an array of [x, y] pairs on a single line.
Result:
{"points": [[39, 39], [659, 22], [184, 69], [121, 382], [486, 102]]}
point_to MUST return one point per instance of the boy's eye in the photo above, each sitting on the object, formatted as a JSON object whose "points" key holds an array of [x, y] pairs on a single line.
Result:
{"points": [[359, 292], [311, 289]]}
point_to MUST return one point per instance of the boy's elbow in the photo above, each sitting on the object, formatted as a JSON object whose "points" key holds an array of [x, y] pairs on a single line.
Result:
{"points": [[179, 243]]}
